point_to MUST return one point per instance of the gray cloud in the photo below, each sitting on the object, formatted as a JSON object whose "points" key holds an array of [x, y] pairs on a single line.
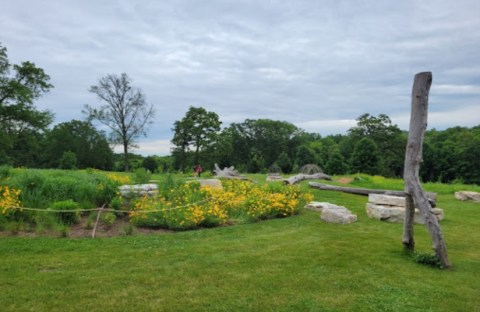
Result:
{"points": [[318, 64]]}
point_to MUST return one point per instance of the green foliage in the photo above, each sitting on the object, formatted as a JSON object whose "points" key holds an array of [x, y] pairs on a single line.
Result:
{"points": [[305, 155], [21, 123], [366, 157], [68, 161], [89, 146], [150, 164], [5, 171], [198, 131], [257, 162], [284, 162], [67, 211], [141, 175], [108, 219], [40, 188], [188, 206], [428, 259]]}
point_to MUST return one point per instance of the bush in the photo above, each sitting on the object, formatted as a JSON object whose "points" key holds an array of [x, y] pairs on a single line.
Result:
{"points": [[428, 259], [141, 175], [67, 211]]}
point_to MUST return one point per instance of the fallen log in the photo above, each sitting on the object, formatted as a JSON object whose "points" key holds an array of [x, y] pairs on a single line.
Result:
{"points": [[301, 177], [432, 197]]}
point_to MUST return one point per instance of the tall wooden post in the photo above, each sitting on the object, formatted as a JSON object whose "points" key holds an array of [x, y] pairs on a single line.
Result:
{"points": [[413, 158]]}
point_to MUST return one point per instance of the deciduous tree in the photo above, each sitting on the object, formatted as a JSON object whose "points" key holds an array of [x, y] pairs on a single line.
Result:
{"points": [[18, 117], [125, 111]]}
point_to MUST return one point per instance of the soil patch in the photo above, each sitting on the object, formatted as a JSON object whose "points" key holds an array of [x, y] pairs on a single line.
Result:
{"points": [[345, 180]]}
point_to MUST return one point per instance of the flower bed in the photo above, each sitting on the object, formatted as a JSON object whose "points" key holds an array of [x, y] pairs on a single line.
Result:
{"points": [[189, 206]]}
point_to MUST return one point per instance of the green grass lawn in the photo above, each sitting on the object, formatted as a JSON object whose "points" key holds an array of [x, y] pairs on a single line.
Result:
{"points": [[293, 264]]}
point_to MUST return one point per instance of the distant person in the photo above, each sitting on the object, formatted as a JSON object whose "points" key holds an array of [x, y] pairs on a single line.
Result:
{"points": [[199, 170]]}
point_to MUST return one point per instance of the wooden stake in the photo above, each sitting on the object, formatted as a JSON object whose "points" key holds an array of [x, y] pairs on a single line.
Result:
{"points": [[96, 221]]}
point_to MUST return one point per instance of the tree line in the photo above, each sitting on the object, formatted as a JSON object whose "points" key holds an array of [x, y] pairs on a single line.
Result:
{"points": [[373, 146]]}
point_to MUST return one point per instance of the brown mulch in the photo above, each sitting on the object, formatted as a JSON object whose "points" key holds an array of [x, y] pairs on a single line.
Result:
{"points": [[345, 180], [81, 230]]}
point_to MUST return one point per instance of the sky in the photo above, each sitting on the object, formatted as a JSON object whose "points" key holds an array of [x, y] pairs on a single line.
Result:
{"points": [[316, 64]]}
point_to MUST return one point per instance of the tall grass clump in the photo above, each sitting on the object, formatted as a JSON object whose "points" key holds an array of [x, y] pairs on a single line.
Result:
{"points": [[57, 190]]}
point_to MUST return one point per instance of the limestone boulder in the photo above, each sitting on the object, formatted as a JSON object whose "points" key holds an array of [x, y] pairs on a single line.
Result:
{"points": [[392, 209], [332, 213], [466, 195], [128, 191], [213, 183], [272, 177]]}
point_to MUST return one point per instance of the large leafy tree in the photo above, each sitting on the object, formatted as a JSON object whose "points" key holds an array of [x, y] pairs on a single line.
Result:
{"points": [[268, 138], [366, 157], [196, 131], [80, 138], [125, 111], [20, 85], [388, 138]]}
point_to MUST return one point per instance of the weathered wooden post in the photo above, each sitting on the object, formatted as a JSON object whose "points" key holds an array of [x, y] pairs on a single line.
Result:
{"points": [[413, 157]]}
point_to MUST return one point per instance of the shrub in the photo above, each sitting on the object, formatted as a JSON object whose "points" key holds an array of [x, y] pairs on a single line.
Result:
{"points": [[5, 171], [67, 211], [9, 198], [428, 259], [108, 219], [141, 175]]}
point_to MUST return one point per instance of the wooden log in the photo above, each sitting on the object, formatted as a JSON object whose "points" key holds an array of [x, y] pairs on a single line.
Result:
{"points": [[301, 177], [432, 197], [413, 158]]}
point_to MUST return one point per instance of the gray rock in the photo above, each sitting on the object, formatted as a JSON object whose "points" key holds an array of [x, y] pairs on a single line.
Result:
{"points": [[332, 213], [396, 214], [138, 190], [388, 200], [466, 195]]}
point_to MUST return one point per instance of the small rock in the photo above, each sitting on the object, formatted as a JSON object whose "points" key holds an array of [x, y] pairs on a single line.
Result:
{"points": [[466, 195]]}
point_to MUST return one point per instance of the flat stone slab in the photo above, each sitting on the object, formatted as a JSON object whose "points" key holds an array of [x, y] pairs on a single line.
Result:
{"points": [[274, 177], [332, 213], [396, 214], [466, 195], [213, 183], [389, 200]]}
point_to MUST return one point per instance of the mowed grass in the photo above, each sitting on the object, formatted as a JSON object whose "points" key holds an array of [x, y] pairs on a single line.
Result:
{"points": [[293, 264]]}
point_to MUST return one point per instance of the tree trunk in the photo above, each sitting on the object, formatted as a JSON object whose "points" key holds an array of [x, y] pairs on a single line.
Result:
{"points": [[413, 158], [408, 240], [125, 156], [432, 197], [300, 177]]}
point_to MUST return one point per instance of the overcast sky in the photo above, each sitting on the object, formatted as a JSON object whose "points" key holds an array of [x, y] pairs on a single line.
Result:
{"points": [[316, 64]]}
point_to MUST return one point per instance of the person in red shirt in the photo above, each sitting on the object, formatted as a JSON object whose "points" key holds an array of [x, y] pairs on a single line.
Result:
{"points": [[198, 170]]}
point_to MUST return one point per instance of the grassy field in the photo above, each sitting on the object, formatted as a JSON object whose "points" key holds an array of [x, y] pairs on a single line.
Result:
{"points": [[294, 264]]}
